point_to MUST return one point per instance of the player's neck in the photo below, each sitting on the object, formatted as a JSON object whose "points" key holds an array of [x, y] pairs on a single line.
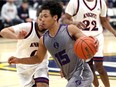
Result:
{"points": [[54, 29]]}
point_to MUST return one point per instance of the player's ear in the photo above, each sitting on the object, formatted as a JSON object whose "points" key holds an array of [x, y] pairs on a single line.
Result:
{"points": [[55, 17]]}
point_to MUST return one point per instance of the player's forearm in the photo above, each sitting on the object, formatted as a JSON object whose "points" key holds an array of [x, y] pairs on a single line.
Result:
{"points": [[67, 21], [107, 26], [8, 34], [105, 23], [30, 60], [70, 21]]}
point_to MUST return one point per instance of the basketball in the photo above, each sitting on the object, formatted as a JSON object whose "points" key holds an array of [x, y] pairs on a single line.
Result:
{"points": [[85, 48]]}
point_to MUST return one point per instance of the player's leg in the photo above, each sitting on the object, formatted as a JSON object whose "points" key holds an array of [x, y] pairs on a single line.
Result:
{"points": [[102, 72], [42, 82], [25, 75], [41, 78], [95, 81], [81, 78], [98, 60]]}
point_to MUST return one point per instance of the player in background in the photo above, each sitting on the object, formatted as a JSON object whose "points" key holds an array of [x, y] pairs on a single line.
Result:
{"points": [[90, 16], [59, 41], [28, 35]]}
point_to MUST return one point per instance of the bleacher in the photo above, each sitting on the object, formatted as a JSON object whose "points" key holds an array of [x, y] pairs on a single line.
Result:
{"points": [[32, 13]]}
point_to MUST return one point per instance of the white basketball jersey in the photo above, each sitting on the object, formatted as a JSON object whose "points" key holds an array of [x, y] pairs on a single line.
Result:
{"points": [[29, 45], [89, 13]]}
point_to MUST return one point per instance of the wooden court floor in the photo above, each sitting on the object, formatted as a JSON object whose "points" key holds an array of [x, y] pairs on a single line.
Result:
{"points": [[10, 78]]}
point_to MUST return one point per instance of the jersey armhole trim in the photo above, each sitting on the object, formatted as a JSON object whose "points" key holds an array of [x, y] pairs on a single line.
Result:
{"points": [[30, 30], [100, 4], [36, 29], [44, 37], [69, 33], [77, 8]]}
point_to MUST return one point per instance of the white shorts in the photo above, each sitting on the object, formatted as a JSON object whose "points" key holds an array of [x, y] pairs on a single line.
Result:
{"points": [[100, 38], [99, 55], [27, 73]]}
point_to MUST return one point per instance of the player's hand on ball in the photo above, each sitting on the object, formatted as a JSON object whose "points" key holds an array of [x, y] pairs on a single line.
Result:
{"points": [[86, 47], [13, 60], [96, 42]]}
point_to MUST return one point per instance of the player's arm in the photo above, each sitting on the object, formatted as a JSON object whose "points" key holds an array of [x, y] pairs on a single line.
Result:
{"points": [[105, 23], [38, 58], [75, 31], [70, 11], [8, 33], [16, 32], [67, 19]]}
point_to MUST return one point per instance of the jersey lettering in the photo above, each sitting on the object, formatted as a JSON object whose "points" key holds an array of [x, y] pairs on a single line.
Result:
{"points": [[90, 15], [62, 57], [35, 44], [90, 26], [33, 53]]}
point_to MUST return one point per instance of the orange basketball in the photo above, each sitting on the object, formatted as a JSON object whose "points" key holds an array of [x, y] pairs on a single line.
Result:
{"points": [[85, 48]]}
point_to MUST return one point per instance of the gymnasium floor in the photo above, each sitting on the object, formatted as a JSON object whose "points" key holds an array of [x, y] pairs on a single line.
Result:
{"points": [[9, 78]]}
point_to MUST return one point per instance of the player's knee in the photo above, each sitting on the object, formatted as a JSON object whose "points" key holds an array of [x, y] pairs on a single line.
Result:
{"points": [[42, 85], [101, 69]]}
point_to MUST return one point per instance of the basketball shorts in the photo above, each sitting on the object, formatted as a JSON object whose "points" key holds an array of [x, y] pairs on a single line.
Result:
{"points": [[99, 55], [31, 74], [83, 77]]}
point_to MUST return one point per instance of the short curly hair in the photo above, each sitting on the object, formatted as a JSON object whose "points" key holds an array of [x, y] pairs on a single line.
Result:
{"points": [[54, 7]]}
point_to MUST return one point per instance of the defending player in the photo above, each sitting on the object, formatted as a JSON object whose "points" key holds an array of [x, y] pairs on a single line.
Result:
{"points": [[28, 35], [59, 41]]}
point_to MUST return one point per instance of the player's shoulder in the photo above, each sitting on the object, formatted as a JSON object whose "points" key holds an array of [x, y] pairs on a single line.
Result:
{"points": [[25, 23]]}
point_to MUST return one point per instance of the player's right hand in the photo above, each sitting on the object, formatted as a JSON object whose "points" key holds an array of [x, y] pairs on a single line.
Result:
{"points": [[13, 60], [22, 34]]}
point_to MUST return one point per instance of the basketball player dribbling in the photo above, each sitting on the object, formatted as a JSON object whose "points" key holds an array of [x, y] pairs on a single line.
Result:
{"points": [[90, 16], [59, 41], [28, 35]]}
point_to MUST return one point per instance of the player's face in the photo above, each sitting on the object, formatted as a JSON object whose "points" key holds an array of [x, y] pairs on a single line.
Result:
{"points": [[39, 21], [47, 20]]}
